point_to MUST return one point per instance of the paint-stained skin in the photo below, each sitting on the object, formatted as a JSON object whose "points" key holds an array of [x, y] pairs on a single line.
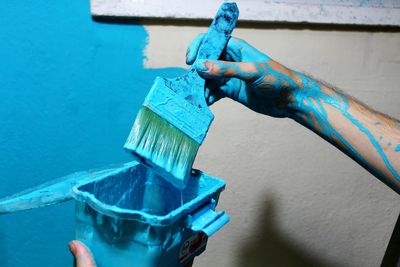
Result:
{"points": [[265, 86]]}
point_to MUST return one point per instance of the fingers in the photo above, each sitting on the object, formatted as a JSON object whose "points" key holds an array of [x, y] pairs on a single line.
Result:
{"points": [[232, 51], [82, 255], [213, 95], [191, 52], [245, 71]]}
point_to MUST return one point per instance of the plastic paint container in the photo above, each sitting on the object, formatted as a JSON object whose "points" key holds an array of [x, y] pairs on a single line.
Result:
{"points": [[133, 217]]}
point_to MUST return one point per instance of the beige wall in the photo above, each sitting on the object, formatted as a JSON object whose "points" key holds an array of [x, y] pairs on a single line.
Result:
{"points": [[293, 199]]}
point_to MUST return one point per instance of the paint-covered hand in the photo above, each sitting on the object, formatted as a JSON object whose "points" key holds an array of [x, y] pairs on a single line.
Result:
{"points": [[82, 255], [246, 75]]}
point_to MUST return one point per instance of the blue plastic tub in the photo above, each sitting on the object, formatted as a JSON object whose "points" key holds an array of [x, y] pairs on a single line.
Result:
{"points": [[133, 217]]}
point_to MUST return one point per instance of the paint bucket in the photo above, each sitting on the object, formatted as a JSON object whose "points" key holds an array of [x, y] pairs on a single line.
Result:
{"points": [[134, 217], [129, 216]]}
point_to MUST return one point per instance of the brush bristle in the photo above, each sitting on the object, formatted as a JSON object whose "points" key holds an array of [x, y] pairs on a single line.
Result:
{"points": [[155, 139]]}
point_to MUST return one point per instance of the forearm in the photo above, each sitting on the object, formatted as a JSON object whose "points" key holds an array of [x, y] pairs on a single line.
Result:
{"points": [[265, 86], [369, 137]]}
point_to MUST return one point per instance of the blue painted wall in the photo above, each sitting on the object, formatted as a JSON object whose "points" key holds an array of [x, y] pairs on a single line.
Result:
{"points": [[69, 92]]}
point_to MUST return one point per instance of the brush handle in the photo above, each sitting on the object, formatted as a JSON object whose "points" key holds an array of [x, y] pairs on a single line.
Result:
{"points": [[219, 32], [180, 101], [213, 44]]}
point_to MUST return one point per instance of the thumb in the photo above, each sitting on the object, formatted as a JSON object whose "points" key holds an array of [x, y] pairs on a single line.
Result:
{"points": [[246, 71], [82, 255]]}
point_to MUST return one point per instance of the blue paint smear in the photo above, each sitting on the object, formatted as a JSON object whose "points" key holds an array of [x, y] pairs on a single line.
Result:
{"points": [[397, 148], [373, 141], [69, 92], [327, 131]]}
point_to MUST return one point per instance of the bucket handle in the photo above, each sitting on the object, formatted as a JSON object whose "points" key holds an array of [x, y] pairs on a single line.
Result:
{"points": [[206, 220]]}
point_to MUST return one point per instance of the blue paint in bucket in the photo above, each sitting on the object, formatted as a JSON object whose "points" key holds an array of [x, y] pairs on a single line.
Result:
{"points": [[128, 215], [133, 217]]}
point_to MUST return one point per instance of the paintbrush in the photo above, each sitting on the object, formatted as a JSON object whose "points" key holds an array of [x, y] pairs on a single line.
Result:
{"points": [[175, 118]]}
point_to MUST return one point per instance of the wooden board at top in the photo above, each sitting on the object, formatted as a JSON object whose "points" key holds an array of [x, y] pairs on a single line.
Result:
{"points": [[359, 12]]}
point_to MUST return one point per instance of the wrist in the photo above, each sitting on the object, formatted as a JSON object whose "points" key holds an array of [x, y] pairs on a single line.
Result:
{"points": [[303, 89]]}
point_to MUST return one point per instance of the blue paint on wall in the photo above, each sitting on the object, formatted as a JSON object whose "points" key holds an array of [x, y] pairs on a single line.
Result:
{"points": [[69, 92]]}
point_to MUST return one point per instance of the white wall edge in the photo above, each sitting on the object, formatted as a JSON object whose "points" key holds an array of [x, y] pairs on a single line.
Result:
{"points": [[250, 10]]}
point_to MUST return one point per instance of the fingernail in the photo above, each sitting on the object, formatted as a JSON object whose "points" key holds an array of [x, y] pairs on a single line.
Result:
{"points": [[203, 65], [72, 247]]}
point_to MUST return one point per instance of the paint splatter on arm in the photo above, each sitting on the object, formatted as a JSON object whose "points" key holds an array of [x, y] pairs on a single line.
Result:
{"points": [[369, 137], [250, 77]]}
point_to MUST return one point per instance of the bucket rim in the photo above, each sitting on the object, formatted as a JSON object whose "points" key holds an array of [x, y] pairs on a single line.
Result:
{"points": [[129, 214]]}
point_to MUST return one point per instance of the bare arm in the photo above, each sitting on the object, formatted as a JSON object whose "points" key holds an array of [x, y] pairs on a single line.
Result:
{"points": [[367, 136], [252, 78]]}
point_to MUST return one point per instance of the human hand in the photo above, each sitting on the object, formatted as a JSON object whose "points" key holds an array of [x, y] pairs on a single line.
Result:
{"points": [[248, 76], [82, 255]]}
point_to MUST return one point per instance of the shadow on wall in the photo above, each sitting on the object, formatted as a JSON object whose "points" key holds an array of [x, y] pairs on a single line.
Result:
{"points": [[269, 247]]}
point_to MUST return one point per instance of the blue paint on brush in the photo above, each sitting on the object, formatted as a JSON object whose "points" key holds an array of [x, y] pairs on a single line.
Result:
{"points": [[175, 117], [180, 101]]}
